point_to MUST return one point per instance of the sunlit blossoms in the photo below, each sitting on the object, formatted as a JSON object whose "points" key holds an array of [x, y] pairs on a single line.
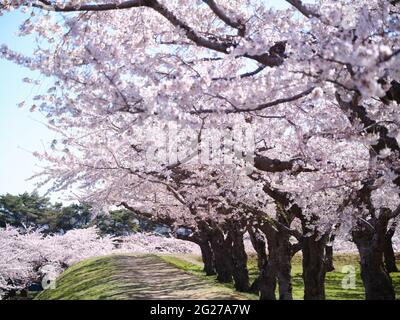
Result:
{"points": [[317, 86]]}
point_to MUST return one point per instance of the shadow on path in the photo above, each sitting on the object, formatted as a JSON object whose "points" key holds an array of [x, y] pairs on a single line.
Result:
{"points": [[149, 277]]}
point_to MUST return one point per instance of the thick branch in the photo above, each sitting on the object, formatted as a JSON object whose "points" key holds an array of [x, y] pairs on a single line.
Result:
{"points": [[149, 215], [267, 164], [225, 18], [298, 4], [281, 197], [356, 112], [395, 213], [272, 58]]}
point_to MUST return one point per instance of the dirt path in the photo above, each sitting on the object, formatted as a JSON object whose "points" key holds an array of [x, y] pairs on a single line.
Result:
{"points": [[149, 277]]}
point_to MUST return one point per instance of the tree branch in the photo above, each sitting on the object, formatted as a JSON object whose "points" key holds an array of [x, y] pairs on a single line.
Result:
{"points": [[149, 215], [47, 5], [298, 4], [272, 58], [264, 163], [237, 24], [259, 107]]}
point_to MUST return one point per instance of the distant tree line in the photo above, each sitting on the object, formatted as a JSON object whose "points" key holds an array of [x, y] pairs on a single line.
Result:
{"points": [[30, 210]]}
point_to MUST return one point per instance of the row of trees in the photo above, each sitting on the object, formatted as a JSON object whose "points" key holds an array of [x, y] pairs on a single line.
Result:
{"points": [[226, 117]]}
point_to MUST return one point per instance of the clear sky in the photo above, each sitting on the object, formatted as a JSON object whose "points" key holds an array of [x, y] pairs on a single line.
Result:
{"points": [[21, 131]]}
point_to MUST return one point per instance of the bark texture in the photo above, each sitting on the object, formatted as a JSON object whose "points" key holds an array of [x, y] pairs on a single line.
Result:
{"points": [[369, 237], [314, 266], [389, 256]]}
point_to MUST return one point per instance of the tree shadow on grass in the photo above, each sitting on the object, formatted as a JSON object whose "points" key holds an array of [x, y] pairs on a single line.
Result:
{"points": [[129, 277], [160, 280]]}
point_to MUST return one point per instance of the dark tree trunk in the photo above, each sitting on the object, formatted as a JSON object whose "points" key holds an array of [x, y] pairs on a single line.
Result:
{"points": [[314, 269], [279, 259], [285, 279], [259, 244], [255, 286], [377, 282], [329, 259], [240, 272], [223, 256], [277, 268], [207, 257], [370, 241], [296, 247], [201, 238], [267, 282], [329, 254], [390, 259]]}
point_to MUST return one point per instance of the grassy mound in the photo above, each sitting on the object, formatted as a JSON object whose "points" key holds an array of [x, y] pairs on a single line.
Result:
{"points": [[123, 277], [180, 277], [87, 280]]}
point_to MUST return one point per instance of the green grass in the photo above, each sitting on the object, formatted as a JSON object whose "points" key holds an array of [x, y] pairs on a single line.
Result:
{"points": [[87, 280], [128, 277], [197, 270], [333, 284], [133, 277]]}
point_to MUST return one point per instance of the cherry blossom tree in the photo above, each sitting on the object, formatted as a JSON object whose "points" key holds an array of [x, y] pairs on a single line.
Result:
{"points": [[28, 256], [151, 101]]}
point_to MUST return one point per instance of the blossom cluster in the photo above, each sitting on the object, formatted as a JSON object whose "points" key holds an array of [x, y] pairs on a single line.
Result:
{"points": [[27, 256]]}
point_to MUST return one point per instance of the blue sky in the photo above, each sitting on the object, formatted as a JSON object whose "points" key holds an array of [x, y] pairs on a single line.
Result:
{"points": [[21, 132]]}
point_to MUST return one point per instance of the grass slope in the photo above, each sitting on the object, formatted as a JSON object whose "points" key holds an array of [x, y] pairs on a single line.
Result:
{"points": [[90, 279], [134, 277], [179, 277]]}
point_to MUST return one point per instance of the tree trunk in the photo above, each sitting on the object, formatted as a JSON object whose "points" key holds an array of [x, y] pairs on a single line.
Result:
{"points": [[279, 251], [279, 263], [258, 241], [377, 282], [223, 256], [285, 280], [201, 238], [314, 269], [240, 272], [207, 257], [370, 241], [267, 282], [329, 254], [390, 259], [329, 259]]}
